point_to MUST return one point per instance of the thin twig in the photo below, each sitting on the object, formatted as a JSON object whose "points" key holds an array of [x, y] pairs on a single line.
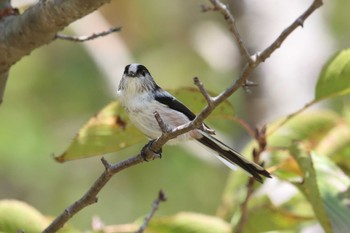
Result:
{"points": [[244, 206], [201, 88], [299, 22], [222, 8], [260, 136], [245, 73], [161, 123], [291, 116], [161, 198], [90, 197], [209, 100], [86, 38]]}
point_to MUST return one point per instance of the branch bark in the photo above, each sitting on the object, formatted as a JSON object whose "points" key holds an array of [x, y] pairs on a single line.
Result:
{"points": [[90, 196], [87, 38], [37, 26], [161, 198]]}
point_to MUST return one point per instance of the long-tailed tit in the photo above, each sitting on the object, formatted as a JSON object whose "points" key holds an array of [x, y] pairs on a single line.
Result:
{"points": [[141, 97]]}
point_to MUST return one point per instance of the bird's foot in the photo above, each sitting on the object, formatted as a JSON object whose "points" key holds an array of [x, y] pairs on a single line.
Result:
{"points": [[147, 153]]}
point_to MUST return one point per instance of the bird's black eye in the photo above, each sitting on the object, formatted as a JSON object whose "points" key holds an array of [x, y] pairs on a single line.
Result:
{"points": [[126, 70], [143, 72]]}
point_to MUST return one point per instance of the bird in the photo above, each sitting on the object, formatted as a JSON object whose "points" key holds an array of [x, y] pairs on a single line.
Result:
{"points": [[141, 97]]}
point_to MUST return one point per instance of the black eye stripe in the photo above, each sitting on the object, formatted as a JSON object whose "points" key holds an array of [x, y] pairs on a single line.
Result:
{"points": [[142, 70], [126, 70]]}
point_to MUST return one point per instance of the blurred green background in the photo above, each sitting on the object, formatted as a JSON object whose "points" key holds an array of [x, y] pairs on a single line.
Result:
{"points": [[54, 91]]}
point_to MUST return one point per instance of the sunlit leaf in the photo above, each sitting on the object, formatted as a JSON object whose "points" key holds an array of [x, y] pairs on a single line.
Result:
{"points": [[265, 217], [325, 132], [110, 130], [334, 80], [334, 187], [309, 185], [335, 77], [16, 215], [309, 127], [186, 222], [336, 140]]}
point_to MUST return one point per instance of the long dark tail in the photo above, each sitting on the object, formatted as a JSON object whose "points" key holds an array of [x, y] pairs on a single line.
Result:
{"points": [[234, 157]]}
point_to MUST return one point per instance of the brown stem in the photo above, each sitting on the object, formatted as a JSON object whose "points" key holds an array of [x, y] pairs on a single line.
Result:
{"points": [[90, 197], [161, 198], [87, 38]]}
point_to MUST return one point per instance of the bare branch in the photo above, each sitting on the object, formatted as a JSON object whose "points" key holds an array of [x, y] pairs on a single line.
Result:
{"points": [[35, 27], [90, 197], [244, 206], [260, 136], [206, 95], [161, 123], [3, 80], [249, 67], [87, 38], [222, 8], [299, 22], [105, 163], [161, 198], [245, 73]]}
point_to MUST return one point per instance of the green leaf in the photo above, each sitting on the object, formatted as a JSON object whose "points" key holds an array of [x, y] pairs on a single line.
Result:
{"points": [[309, 185], [186, 222], [111, 130], [336, 140], [334, 187], [327, 189], [335, 77], [16, 215], [308, 126], [191, 97], [263, 216], [19, 216]]}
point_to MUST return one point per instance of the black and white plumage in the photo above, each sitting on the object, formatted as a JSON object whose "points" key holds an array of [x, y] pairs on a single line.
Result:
{"points": [[141, 97]]}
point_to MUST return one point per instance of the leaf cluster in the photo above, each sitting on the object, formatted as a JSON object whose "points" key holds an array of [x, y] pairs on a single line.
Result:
{"points": [[308, 155]]}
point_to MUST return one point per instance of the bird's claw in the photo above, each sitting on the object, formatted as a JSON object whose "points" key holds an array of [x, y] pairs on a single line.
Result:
{"points": [[147, 153]]}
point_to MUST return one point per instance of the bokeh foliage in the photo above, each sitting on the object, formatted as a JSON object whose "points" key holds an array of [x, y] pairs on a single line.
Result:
{"points": [[50, 97]]}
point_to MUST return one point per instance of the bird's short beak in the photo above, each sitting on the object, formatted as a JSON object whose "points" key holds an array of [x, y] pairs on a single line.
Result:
{"points": [[131, 74]]}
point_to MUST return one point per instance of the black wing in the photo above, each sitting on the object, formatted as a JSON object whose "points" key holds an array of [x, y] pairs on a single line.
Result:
{"points": [[169, 100]]}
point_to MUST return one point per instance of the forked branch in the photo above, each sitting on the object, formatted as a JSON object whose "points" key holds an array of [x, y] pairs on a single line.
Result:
{"points": [[252, 62]]}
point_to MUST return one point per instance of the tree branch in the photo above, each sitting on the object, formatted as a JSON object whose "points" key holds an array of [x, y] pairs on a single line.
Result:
{"points": [[249, 66], [299, 22], [90, 197], [260, 137], [37, 26], [3, 80], [201, 88], [87, 38], [222, 8], [161, 198], [161, 123]]}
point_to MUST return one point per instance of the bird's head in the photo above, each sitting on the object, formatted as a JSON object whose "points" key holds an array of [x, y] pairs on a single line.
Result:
{"points": [[136, 78]]}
